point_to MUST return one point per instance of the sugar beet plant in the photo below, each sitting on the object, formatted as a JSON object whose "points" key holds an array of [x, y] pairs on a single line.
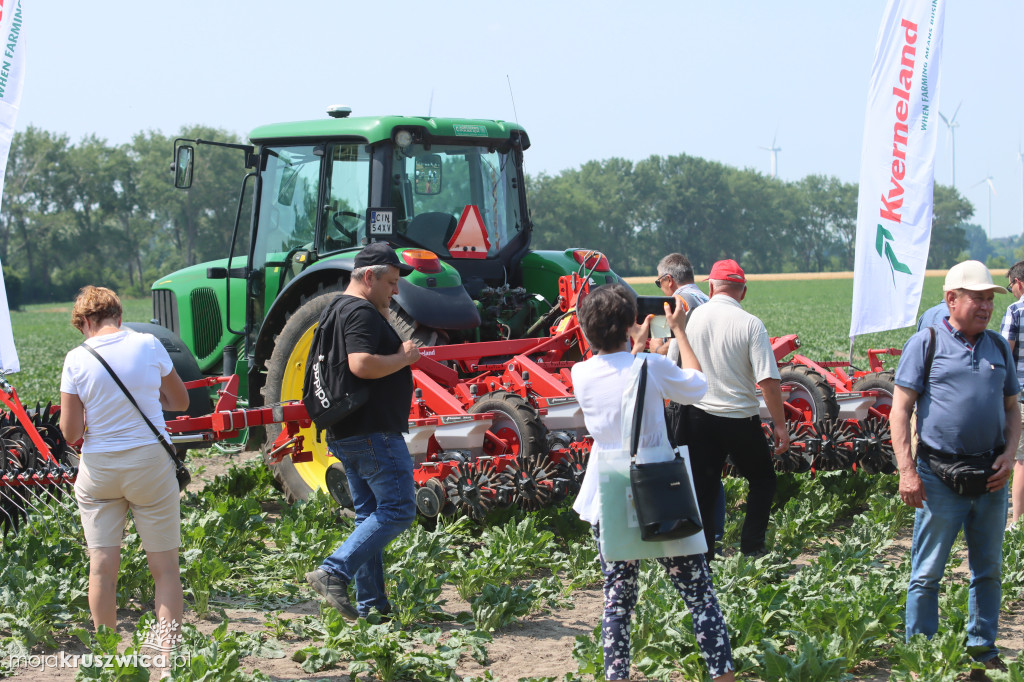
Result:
{"points": [[825, 604]]}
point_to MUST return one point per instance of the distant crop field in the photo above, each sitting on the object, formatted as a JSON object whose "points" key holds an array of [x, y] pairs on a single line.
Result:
{"points": [[43, 335], [818, 310]]}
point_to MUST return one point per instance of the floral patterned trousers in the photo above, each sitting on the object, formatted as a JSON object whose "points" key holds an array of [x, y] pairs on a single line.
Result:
{"points": [[692, 579]]}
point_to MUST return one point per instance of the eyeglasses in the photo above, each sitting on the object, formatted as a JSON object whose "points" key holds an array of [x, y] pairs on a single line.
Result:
{"points": [[657, 282]]}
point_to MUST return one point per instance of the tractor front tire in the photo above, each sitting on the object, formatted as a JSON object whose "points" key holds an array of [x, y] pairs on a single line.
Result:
{"points": [[407, 328], [286, 369], [810, 392], [199, 403]]}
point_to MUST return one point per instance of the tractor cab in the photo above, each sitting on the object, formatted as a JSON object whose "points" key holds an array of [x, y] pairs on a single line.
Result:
{"points": [[448, 194], [462, 200]]}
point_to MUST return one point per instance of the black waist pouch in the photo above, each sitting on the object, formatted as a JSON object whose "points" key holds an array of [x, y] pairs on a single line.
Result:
{"points": [[965, 475]]}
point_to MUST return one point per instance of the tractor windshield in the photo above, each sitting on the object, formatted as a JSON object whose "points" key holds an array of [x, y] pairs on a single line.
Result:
{"points": [[439, 189], [291, 189]]}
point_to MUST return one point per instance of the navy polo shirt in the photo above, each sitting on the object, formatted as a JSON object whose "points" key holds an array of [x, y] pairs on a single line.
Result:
{"points": [[960, 408]]}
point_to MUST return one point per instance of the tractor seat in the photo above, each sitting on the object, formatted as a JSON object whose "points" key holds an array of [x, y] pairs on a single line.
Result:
{"points": [[432, 231]]}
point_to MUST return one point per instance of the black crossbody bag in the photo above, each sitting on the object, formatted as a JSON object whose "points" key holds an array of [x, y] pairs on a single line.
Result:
{"points": [[662, 493], [965, 475], [180, 470]]}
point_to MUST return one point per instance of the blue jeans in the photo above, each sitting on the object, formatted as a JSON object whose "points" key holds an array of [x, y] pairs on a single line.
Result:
{"points": [[379, 471], [936, 526]]}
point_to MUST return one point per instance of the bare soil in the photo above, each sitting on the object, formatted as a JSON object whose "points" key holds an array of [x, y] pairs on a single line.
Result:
{"points": [[539, 645]]}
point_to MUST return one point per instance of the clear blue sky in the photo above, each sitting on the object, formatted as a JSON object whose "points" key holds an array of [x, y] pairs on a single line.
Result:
{"points": [[591, 80]]}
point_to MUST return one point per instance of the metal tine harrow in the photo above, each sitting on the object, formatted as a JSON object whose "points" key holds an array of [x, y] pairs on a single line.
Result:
{"points": [[37, 465], [837, 416]]}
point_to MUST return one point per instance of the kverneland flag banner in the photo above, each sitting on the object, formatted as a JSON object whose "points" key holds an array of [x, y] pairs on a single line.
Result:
{"points": [[894, 209], [12, 68]]}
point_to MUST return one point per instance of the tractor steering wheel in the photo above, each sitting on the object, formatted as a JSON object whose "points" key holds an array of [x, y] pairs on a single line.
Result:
{"points": [[348, 233]]}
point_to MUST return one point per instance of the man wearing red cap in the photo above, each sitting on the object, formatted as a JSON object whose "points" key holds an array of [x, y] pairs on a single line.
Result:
{"points": [[733, 349]]}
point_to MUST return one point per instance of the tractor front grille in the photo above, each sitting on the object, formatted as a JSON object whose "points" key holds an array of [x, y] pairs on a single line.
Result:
{"points": [[207, 326], [165, 309]]}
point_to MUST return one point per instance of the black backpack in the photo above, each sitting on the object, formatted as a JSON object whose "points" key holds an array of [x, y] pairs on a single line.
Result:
{"points": [[330, 391]]}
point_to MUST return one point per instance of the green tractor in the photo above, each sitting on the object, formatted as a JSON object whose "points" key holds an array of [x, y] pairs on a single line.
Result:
{"points": [[448, 194]]}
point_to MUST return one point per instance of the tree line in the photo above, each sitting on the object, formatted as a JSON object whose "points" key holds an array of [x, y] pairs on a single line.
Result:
{"points": [[98, 213], [638, 212], [92, 212]]}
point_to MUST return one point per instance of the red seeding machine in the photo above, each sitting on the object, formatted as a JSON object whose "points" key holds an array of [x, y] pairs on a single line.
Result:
{"points": [[491, 424]]}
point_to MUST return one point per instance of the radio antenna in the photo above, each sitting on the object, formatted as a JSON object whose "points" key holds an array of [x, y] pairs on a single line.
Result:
{"points": [[514, 113], [430, 105]]}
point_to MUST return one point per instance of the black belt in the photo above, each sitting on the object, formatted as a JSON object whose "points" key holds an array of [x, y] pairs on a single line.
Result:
{"points": [[925, 449]]}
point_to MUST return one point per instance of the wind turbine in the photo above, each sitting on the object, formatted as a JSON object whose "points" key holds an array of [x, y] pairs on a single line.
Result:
{"points": [[991, 191], [775, 155], [952, 125]]}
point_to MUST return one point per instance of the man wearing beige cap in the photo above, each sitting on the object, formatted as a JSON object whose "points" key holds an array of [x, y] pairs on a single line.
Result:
{"points": [[963, 379]]}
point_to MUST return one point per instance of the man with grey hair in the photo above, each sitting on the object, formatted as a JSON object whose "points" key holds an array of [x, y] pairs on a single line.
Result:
{"points": [[963, 380], [369, 441], [675, 278], [734, 352]]}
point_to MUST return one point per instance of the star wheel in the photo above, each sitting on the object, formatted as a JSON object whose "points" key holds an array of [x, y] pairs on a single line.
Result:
{"points": [[469, 487]]}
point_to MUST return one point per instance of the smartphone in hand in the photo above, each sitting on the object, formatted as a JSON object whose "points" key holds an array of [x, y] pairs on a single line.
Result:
{"points": [[655, 305]]}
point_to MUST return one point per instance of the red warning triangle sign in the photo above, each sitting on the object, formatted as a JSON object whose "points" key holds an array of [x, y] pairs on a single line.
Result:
{"points": [[470, 238]]}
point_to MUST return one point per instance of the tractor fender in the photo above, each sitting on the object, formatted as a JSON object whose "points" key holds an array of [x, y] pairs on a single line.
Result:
{"points": [[322, 274], [440, 308], [185, 365]]}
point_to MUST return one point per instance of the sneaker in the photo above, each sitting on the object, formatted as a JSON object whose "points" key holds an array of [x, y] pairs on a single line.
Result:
{"points": [[334, 590]]}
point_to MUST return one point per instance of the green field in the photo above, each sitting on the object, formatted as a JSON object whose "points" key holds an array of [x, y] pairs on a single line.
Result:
{"points": [[826, 603], [817, 310], [43, 335]]}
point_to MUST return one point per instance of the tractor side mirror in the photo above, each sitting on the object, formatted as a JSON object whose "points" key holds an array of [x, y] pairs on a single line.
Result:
{"points": [[427, 174], [183, 156]]}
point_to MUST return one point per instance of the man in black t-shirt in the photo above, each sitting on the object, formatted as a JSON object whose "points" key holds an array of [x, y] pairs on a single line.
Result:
{"points": [[369, 442]]}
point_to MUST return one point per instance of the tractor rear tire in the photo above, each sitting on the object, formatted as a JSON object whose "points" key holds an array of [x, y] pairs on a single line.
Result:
{"points": [[884, 383], [810, 391], [286, 370], [515, 421]]}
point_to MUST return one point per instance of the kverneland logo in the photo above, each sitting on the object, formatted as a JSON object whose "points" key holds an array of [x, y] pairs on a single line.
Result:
{"points": [[892, 202]]}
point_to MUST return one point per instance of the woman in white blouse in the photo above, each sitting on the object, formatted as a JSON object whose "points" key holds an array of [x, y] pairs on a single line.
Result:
{"points": [[607, 317]]}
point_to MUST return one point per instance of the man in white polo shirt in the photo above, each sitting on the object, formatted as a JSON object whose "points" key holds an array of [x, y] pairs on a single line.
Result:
{"points": [[735, 354]]}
